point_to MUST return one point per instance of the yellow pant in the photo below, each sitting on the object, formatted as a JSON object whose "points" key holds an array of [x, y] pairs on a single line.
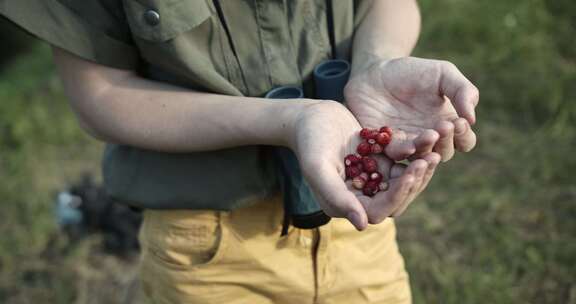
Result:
{"points": [[240, 257]]}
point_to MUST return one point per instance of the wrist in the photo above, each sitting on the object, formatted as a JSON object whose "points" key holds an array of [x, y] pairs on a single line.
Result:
{"points": [[364, 60], [312, 116], [287, 115]]}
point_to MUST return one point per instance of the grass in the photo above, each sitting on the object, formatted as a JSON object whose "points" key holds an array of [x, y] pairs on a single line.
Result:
{"points": [[495, 226], [42, 151]]}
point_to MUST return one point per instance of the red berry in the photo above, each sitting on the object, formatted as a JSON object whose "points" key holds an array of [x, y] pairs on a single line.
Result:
{"points": [[376, 176], [364, 148], [383, 186], [386, 130], [365, 132], [377, 148], [352, 159], [369, 164], [371, 141], [358, 183], [383, 138], [370, 188], [364, 176], [352, 172], [373, 134]]}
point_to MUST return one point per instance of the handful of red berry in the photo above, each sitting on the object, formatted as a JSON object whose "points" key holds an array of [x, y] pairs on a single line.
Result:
{"points": [[363, 169]]}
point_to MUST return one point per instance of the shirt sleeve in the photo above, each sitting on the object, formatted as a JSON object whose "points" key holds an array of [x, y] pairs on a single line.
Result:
{"points": [[95, 30]]}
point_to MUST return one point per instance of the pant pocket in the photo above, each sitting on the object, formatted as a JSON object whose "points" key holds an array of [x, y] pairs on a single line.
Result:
{"points": [[182, 240]]}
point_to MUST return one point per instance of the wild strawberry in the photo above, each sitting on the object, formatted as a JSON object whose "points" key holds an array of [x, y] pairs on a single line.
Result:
{"points": [[364, 148], [386, 130], [370, 188], [358, 183], [365, 132], [383, 138], [373, 134], [352, 172], [375, 176], [369, 164], [383, 186], [352, 159], [377, 148]]}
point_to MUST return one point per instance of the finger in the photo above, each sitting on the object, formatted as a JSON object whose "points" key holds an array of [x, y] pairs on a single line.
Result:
{"points": [[464, 137], [417, 168], [397, 170], [401, 151], [336, 199], [433, 160], [463, 94], [445, 145], [401, 146], [424, 143], [384, 165], [384, 203]]}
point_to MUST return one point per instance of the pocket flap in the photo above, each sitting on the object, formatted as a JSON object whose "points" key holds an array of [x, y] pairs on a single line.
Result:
{"points": [[169, 17]]}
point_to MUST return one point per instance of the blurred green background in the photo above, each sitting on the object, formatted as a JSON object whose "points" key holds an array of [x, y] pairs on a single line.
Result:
{"points": [[495, 226]]}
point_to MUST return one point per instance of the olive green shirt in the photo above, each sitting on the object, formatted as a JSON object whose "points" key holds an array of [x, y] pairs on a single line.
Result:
{"points": [[232, 47]]}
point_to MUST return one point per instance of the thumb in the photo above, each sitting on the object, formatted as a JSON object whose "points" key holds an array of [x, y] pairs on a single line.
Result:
{"points": [[334, 196], [463, 94], [355, 213]]}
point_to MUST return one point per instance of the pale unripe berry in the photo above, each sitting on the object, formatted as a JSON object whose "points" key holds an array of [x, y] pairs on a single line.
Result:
{"points": [[358, 183]]}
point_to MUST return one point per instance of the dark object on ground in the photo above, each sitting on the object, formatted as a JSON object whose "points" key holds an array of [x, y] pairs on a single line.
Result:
{"points": [[85, 209], [14, 41]]}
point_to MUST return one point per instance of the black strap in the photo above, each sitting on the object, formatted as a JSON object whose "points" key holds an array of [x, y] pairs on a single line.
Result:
{"points": [[330, 23], [310, 221], [286, 220]]}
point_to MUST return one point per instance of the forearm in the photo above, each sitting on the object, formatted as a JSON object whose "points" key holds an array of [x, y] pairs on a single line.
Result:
{"points": [[152, 115], [127, 109], [390, 30]]}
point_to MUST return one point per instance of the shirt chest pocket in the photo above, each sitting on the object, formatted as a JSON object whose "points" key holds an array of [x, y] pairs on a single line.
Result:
{"points": [[185, 39], [163, 20]]}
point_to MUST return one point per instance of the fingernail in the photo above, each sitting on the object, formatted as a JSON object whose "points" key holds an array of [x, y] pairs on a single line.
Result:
{"points": [[473, 117], [356, 220]]}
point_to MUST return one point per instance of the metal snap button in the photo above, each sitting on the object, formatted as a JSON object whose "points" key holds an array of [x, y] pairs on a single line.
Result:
{"points": [[152, 17]]}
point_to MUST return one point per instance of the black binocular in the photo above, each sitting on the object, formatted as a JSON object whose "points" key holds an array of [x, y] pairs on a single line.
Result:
{"points": [[301, 207]]}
